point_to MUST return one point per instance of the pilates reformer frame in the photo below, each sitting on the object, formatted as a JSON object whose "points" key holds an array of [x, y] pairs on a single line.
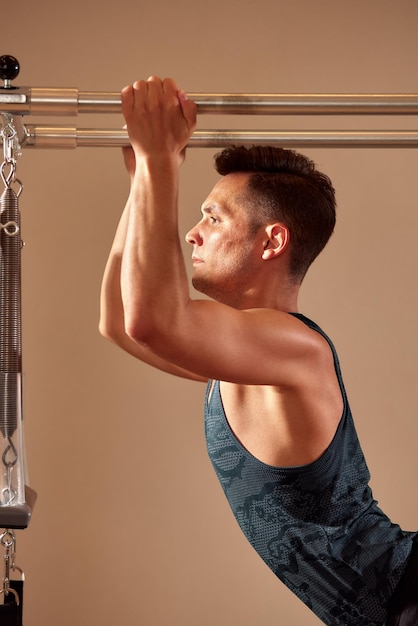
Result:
{"points": [[16, 499]]}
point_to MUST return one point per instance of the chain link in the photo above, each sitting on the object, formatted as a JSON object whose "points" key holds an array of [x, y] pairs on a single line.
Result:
{"points": [[11, 149]]}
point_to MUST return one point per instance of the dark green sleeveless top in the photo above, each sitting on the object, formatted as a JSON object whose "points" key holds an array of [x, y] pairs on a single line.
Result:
{"points": [[316, 526]]}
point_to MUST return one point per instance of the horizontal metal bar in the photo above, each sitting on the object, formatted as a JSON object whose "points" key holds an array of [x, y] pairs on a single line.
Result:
{"points": [[306, 139], [41, 136], [56, 101], [307, 104]]}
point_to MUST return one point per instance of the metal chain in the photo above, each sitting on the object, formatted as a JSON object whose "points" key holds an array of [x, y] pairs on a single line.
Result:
{"points": [[8, 541], [11, 151]]}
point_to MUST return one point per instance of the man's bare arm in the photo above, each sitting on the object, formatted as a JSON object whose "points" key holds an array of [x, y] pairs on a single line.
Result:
{"points": [[112, 321]]}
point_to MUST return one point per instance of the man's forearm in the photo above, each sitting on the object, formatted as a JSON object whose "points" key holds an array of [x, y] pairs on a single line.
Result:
{"points": [[154, 281], [112, 320]]}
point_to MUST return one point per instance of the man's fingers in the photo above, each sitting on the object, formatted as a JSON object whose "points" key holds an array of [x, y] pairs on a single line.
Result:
{"points": [[158, 113], [188, 108], [169, 86]]}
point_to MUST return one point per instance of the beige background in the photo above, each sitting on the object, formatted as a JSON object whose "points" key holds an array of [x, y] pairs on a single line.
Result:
{"points": [[131, 526]]}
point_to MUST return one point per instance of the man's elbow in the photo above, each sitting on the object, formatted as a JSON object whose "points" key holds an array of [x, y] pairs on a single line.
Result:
{"points": [[137, 332], [109, 330], [144, 330]]}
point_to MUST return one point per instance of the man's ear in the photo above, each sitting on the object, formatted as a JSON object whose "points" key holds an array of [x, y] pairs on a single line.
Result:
{"points": [[277, 240]]}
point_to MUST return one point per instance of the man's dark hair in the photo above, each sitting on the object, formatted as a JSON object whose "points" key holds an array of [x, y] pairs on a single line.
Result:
{"points": [[285, 186]]}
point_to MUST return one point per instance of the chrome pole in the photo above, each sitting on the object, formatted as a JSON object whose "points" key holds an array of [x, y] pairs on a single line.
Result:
{"points": [[52, 101], [42, 136]]}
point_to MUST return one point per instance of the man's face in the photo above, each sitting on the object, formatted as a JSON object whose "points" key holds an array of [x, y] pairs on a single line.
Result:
{"points": [[225, 251]]}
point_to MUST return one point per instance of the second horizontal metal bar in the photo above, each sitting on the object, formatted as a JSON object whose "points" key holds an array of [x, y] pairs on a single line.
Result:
{"points": [[41, 136]]}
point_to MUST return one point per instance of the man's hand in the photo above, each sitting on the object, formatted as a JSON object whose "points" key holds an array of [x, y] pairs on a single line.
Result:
{"points": [[160, 118]]}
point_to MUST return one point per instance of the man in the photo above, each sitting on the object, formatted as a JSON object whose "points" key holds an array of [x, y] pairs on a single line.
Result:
{"points": [[279, 429]]}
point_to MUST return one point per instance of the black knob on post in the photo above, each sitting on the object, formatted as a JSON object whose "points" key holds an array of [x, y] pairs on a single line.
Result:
{"points": [[9, 69]]}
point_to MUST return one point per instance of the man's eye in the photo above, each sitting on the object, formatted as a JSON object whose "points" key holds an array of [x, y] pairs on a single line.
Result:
{"points": [[214, 220]]}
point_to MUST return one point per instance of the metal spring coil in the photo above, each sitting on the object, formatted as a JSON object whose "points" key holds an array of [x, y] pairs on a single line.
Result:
{"points": [[10, 312]]}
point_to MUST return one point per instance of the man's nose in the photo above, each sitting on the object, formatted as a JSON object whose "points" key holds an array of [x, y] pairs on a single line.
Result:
{"points": [[193, 237]]}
